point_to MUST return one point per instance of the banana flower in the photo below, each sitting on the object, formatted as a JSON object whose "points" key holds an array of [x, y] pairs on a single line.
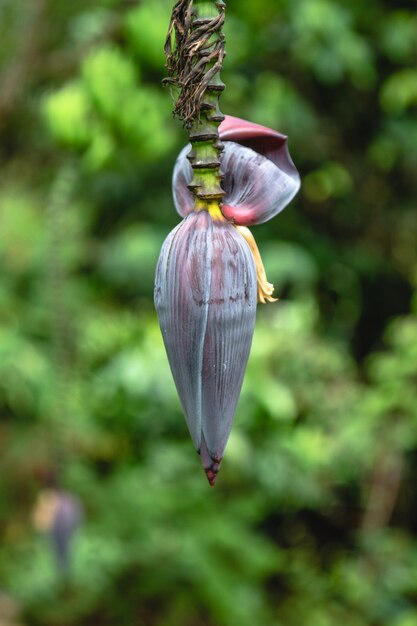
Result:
{"points": [[210, 276]]}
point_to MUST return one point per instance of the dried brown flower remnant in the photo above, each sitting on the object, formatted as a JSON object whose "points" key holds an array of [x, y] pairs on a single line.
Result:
{"points": [[194, 49]]}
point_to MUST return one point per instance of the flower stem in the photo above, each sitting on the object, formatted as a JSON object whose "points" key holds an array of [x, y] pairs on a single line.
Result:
{"points": [[194, 62]]}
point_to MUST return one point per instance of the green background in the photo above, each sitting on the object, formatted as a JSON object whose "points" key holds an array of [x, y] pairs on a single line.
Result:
{"points": [[314, 516]]}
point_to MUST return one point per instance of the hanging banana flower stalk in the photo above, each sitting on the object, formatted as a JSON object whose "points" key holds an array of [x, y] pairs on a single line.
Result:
{"points": [[210, 274]]}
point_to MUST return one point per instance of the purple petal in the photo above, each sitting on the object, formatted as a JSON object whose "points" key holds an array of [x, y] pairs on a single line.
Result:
{"points": [[205, 296], [182, 292], [270, 143], [181, 178], [256, 188]]}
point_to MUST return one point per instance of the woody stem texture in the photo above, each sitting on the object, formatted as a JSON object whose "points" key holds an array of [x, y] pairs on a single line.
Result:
{"points": [[195, 53]]}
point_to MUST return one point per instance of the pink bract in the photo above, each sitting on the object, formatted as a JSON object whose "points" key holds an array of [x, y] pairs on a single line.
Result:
{"points": [[260, 178]]}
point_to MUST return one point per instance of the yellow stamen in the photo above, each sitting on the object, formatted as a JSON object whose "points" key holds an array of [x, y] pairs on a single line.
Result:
{"points": [[265, 289], [212, 206]]}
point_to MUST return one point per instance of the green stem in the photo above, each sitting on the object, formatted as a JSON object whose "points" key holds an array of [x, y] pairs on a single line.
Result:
{"points": [[204, 132], [194, 48], [61, 323]]}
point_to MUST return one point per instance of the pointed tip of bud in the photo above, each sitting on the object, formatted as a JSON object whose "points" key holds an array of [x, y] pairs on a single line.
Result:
{"points": [[211, 475], [210, 464]]}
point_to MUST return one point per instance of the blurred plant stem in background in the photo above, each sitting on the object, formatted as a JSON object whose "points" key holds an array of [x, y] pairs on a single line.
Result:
{"points": [[62, 325], [315, 519]]}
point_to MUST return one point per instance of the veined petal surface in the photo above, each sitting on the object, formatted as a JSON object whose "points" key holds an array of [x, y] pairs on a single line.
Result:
{"points": [[256, 188], [182, 293], [205, 297]]}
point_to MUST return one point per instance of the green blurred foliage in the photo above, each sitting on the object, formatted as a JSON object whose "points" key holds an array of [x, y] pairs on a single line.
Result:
{"points": [[314, 518]]}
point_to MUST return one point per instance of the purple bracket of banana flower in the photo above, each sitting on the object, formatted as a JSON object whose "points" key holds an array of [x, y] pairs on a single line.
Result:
{"points": [[260, 179], [210, 275], [205, 296]]}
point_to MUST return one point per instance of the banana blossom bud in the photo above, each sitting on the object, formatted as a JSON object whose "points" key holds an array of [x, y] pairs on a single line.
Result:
{"points": [[210, 276], [205, 296]]}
